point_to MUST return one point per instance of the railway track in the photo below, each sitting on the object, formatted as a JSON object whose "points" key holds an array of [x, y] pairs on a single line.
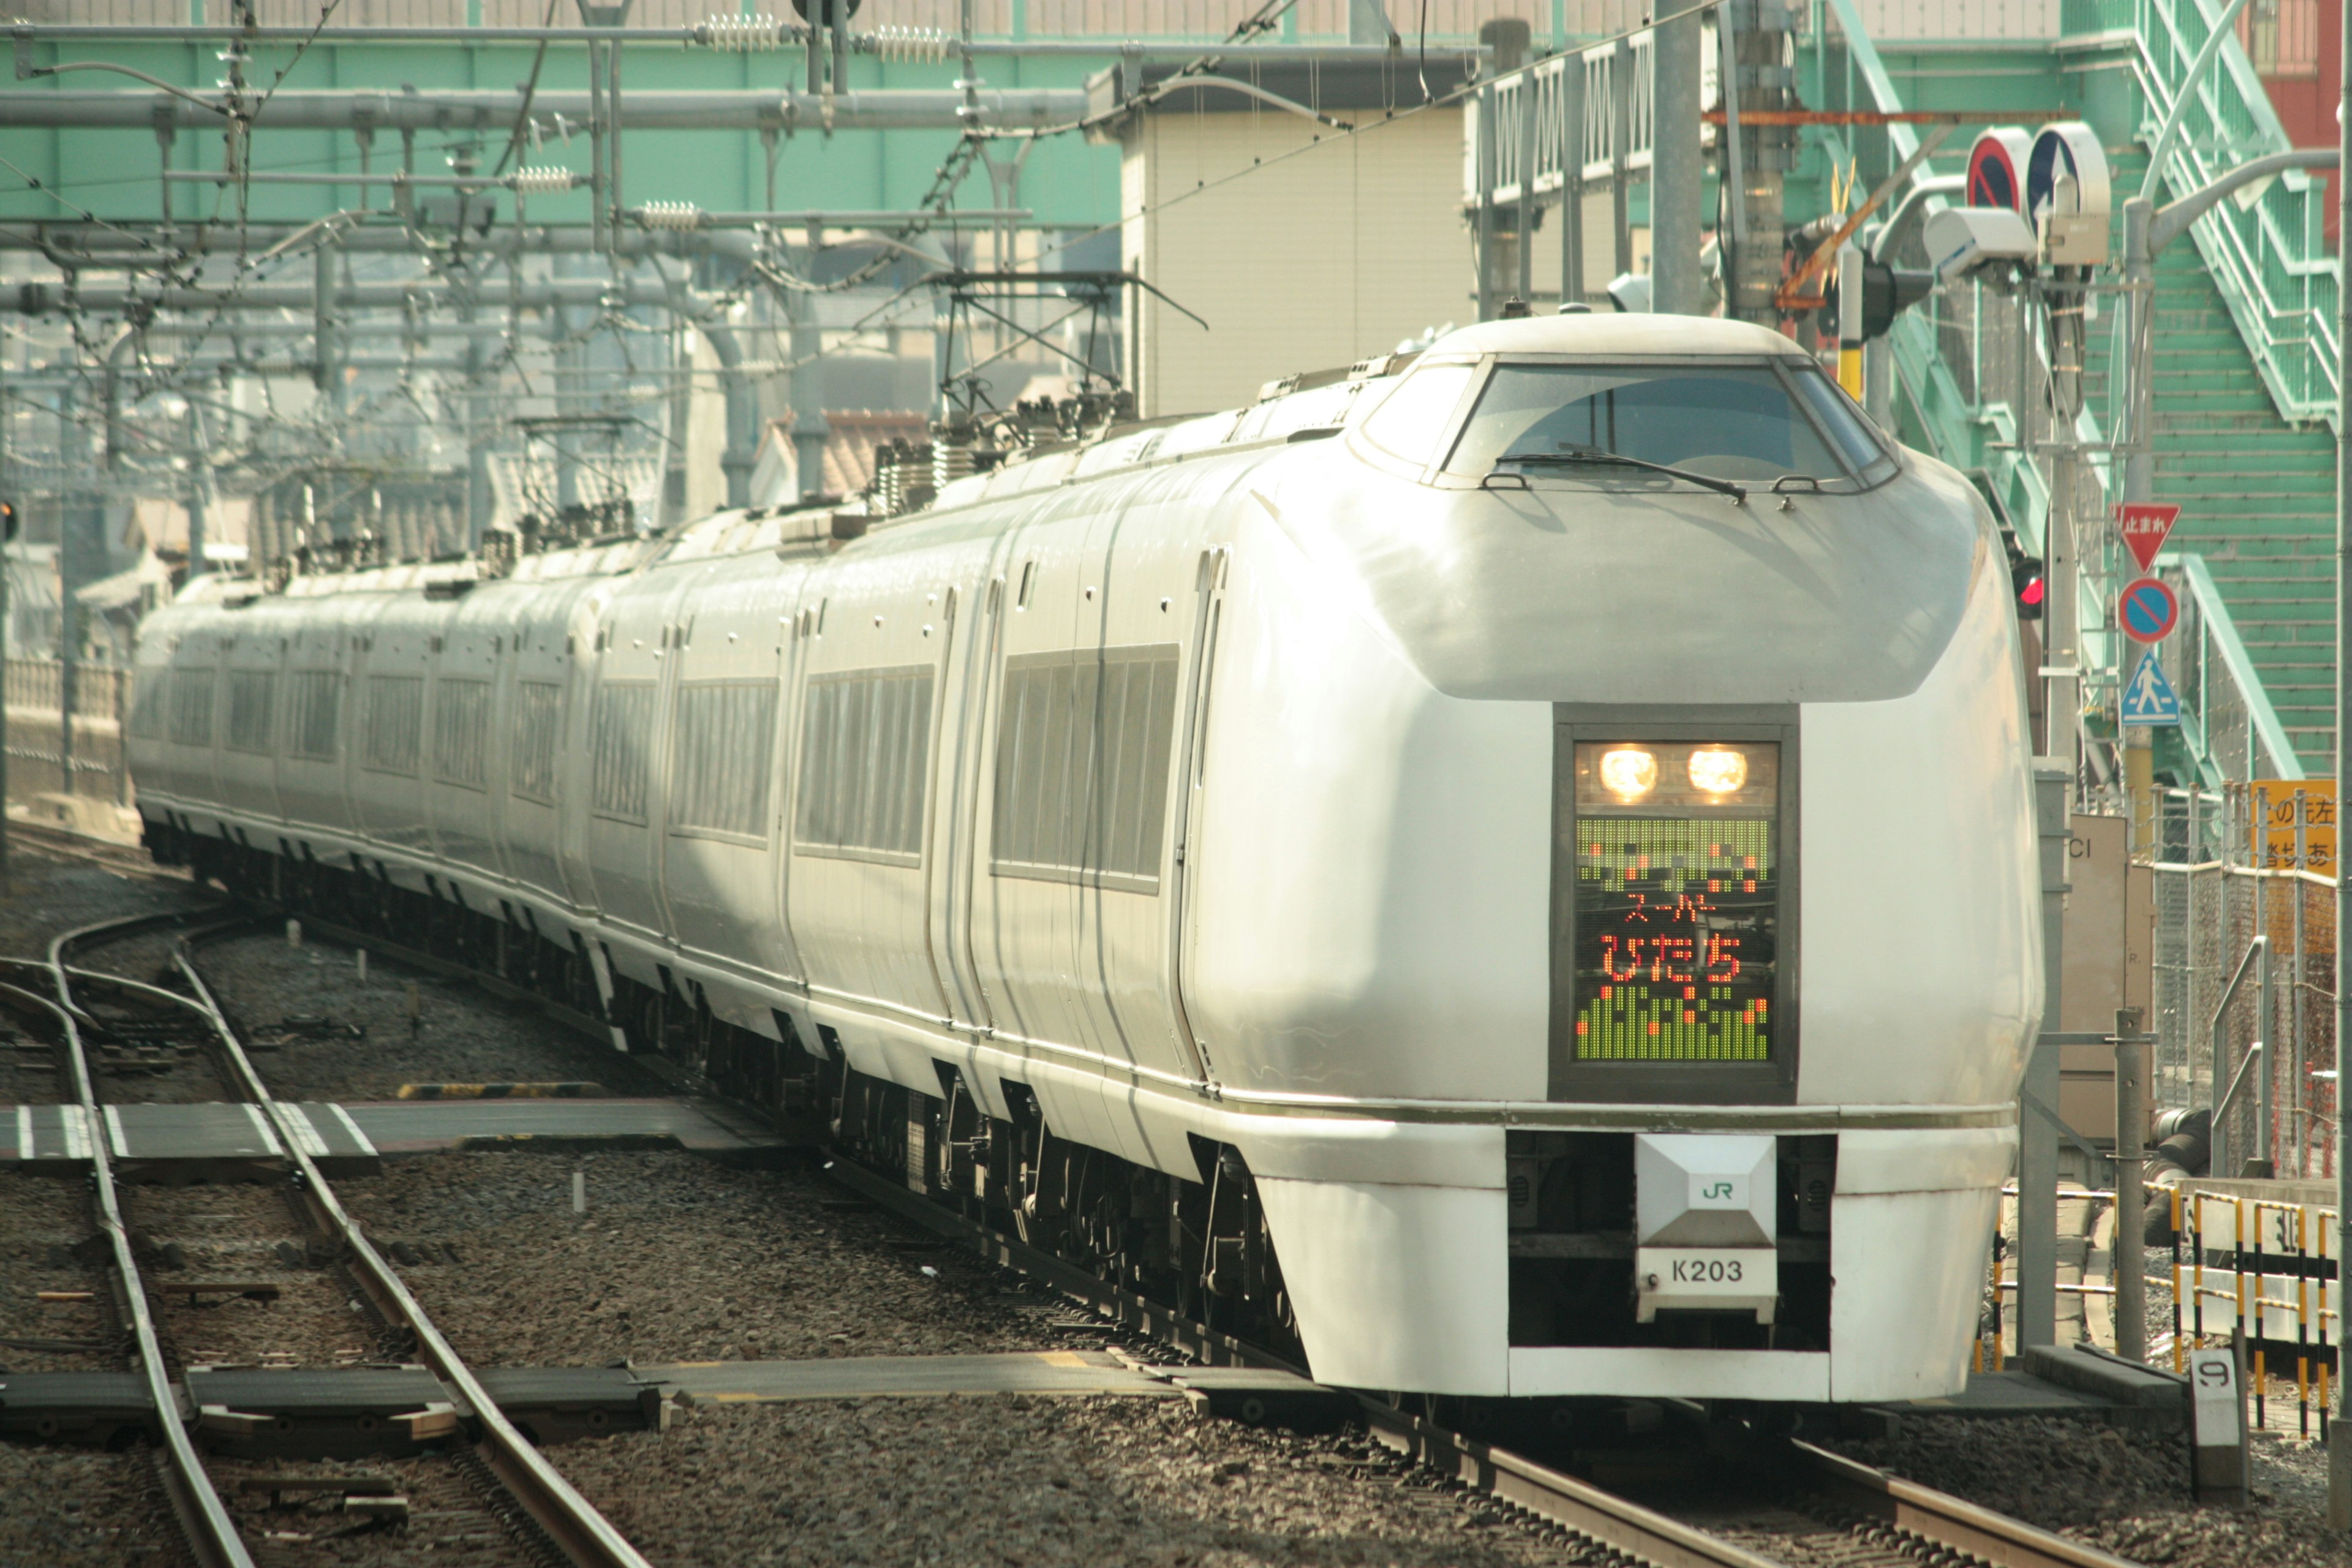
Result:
{"points": [[1872, 1517], [548, 1506], [1772, 1503]]}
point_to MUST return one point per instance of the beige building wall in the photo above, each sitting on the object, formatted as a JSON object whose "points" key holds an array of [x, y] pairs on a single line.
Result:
{"points": [[1333, 254]]}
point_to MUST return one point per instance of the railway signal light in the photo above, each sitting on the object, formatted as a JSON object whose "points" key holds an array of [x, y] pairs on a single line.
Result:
{"points": [[7, 521], [2025, 577]]}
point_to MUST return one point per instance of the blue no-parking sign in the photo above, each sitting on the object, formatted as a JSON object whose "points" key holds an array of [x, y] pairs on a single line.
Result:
{"points": [[2147, 611]]}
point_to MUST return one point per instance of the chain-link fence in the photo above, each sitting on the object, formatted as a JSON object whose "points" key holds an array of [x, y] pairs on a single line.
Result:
{"points": [[2243, 973]]}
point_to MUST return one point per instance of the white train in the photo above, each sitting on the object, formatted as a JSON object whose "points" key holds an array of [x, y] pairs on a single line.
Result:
{"points": [[1515, 868]]}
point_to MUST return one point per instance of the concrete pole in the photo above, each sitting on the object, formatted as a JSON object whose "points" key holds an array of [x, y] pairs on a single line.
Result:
{"points": [[807, 391], [330, 378], [2037, 1141], [2139, 356], [1677, 170], [2339, 1441], [481, 418], [1490, 134], [1621, 127], [2131, 1196], [1572, 190], [200, 483]]}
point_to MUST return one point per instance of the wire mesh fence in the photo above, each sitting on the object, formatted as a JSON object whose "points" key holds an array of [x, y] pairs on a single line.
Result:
{"points": [[2243, 973]]}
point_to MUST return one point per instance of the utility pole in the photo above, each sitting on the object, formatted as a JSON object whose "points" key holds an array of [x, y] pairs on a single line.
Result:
{"points": [[1677, 170], [200, 484]]}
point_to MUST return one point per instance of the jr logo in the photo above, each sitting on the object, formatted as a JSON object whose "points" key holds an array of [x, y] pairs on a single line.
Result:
{"points": [[1715, 1191]]}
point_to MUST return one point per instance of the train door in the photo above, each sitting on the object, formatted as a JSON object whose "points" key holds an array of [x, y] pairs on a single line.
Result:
{"points": [[195, 697], [1026, 899], [976, 680], [248, 733], [312, 734], [1210, 565], [390, 739], [588, 628], [538, 705], [866, 780], [465, 652], [724, 796], [623, 735], [1138, 609]]}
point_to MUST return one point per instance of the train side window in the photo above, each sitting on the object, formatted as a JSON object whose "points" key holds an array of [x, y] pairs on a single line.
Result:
{"points": [[1028, 580], [539, 714], [1413, 420], [147, 702], [1082, 752], [726, 732], [617, 754], [252, 710], [314, 713], [192, 707], [865, 758], [461, 722], [395, 723]]}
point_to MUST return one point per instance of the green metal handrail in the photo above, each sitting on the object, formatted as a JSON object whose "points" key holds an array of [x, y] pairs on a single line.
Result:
{"points": [[2267, 256], [1981, 436]]}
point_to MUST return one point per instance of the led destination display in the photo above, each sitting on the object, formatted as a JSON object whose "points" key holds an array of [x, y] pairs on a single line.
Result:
{"points": [[1677, 901]]}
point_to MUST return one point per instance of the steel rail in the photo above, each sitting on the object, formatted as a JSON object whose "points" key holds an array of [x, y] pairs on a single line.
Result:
{"points": [[1940, 1518], [573, 1523], [1937, 1519], [204, 1519], [1613, 1521], [578, 1529], [1949, 1521]]}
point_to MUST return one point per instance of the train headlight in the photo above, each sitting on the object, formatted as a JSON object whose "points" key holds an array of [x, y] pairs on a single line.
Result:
{"points": [[1718, 770], [1628, 772]]}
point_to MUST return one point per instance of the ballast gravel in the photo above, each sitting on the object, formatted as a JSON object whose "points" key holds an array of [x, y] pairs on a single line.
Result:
{"points": [[46, 894], [42, 1220], [463, 1034], [78, 1508], [1026, 1482], [447, 1522], [230, 1233], [677, 1258], [2123, 1491]]}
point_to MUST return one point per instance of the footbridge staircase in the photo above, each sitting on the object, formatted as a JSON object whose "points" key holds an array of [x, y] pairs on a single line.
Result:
{"points": [[2245, 358]]}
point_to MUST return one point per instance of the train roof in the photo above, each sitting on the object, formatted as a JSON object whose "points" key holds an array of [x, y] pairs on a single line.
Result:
{"points": [[1295, 407], [1613, 335]]}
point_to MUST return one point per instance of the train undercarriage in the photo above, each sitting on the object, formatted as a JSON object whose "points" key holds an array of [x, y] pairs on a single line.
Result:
{"points": [[1201, 1247]]}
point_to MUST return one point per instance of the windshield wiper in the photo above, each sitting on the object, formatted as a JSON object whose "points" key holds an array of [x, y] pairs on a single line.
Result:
{"points": [[1738, 493]]}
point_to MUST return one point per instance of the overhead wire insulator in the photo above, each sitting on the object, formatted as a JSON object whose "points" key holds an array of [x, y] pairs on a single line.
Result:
{"points": [[670, 215], [911, 44], [539, 181], [740, 35]]}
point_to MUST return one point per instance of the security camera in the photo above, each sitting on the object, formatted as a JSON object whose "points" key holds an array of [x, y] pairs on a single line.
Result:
{"points": [[1962, 240], [1629, 292]]}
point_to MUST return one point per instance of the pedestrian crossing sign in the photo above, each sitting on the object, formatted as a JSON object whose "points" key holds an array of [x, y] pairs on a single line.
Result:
{"points": [[2149, 697]]}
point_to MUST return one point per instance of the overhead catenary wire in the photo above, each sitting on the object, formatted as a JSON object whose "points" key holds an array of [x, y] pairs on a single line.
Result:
{"points": [[772, 265]]}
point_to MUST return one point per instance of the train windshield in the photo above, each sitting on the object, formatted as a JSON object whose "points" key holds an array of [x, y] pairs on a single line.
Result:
{"points": [[1754, 421]]}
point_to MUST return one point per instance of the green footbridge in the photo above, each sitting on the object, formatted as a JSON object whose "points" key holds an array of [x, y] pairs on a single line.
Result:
{"points": [[2244, 350]]}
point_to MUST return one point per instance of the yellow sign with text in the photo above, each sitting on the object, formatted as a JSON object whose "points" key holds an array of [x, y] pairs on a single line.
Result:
{"points": [[2291, 811]]}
